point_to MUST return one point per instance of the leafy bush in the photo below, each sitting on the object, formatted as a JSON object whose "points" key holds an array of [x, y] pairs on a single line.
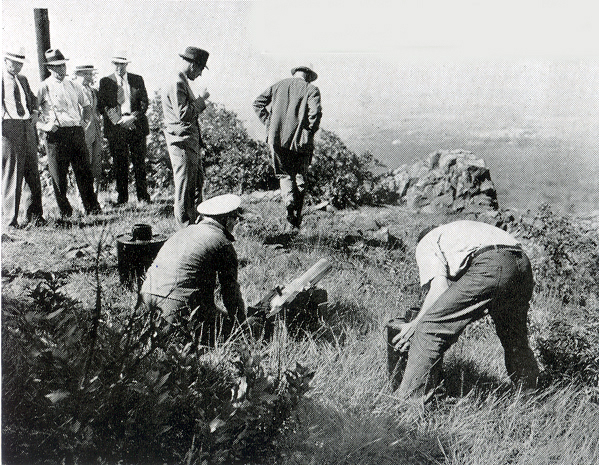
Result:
{"points": [[566, 270], [569, 262], [78, 391], [340, 175], [568, 348], [232, 160]]}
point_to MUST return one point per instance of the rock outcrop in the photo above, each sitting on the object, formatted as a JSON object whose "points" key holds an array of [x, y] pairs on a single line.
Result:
{"points": [[447, 181]]}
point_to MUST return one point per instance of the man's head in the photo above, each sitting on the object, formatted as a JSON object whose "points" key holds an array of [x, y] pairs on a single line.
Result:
{"points": [[223, 208], [13, 67], [56, 63], [305, 73], [14, 60], [120, 62], [195, 61], [87, 73]]}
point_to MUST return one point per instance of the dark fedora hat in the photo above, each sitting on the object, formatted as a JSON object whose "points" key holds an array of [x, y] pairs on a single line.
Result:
{"points": [[195, 55], [311, 75], [55, 57]]}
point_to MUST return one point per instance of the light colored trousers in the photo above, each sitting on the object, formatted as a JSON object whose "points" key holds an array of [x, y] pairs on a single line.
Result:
{"points": [[292, 189], [19, 162], [188, 174]]}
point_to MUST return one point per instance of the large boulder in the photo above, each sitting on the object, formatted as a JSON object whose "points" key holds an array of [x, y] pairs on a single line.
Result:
{"points": [[447, 181]]}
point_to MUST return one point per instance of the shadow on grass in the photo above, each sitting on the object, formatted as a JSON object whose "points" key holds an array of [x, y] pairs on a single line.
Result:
{"points": [[328, 435], [331, 322], [461, 377], [83, 222], [311, 316], [346, 243]]}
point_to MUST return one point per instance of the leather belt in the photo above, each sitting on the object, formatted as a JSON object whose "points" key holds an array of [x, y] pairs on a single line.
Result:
{"points": [[488, 248]]}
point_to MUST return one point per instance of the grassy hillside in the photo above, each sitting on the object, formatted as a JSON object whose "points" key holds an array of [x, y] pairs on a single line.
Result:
{"points": [[350, 415]]}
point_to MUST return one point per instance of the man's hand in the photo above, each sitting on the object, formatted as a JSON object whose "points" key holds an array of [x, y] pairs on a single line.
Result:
{"points": [[402, 339], [205, 94], [127, 121]]}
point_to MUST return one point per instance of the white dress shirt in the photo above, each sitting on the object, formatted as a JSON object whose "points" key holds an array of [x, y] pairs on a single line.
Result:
{"points": [[10, 105]]}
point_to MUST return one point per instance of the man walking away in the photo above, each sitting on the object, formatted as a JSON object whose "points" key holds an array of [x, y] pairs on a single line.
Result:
{"points": [[182, 131], [291, 111], [19, 144]]}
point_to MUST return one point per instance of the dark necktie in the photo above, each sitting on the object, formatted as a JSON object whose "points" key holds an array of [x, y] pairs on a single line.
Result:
{"points": [[18, 102], [120, 94]]}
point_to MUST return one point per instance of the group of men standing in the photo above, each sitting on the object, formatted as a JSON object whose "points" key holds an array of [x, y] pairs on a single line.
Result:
{"points": [[68, 113]]}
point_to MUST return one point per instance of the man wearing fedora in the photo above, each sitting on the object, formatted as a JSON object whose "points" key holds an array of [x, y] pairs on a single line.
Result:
{"points": [[93, 129], [123, 100], [181, 281], [19, 144], [64, 111], [182, 131], [291, 111]]}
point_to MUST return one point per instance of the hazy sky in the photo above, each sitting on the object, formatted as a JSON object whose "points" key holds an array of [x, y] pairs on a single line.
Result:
{"points": [[379, 62]]}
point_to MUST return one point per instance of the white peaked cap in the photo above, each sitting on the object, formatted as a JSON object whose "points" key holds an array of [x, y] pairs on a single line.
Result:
{"points": [[219, 205]]}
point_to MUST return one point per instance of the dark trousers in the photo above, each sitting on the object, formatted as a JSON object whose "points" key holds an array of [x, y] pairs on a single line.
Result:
{"points": [[175, 321], [66, 146], [290, 168], [122, 143], [20, 162], [500, 281]]}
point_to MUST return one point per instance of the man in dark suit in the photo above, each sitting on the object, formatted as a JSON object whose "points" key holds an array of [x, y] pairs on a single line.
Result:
{"points": [[291, 111], [123, 101], [19, 144]]}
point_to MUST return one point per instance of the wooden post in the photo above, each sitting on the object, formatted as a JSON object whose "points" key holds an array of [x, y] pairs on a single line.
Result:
{"points": [[42, 33]]}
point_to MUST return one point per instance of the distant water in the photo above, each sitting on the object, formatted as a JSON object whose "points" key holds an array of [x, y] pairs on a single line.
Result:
{"points": [[527, 170]]}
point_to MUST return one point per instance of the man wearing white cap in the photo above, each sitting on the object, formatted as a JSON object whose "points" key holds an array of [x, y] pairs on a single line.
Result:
{"points": [[123, 100], [291, 111], [181, 281], [93, 127], [19, 144]]}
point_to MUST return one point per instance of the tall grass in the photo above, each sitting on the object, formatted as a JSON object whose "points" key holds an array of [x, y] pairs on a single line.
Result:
{"points": [[350, 415]]}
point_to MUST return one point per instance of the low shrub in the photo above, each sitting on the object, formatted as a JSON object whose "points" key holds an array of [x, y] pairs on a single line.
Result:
{"points": [[76, 390], [568, 348], [566, 269], [339, 175], [568, 265]]}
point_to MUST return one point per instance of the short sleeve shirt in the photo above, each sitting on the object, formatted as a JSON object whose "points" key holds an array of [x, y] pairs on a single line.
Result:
{"points": [[62, 101], [447, 249]]}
